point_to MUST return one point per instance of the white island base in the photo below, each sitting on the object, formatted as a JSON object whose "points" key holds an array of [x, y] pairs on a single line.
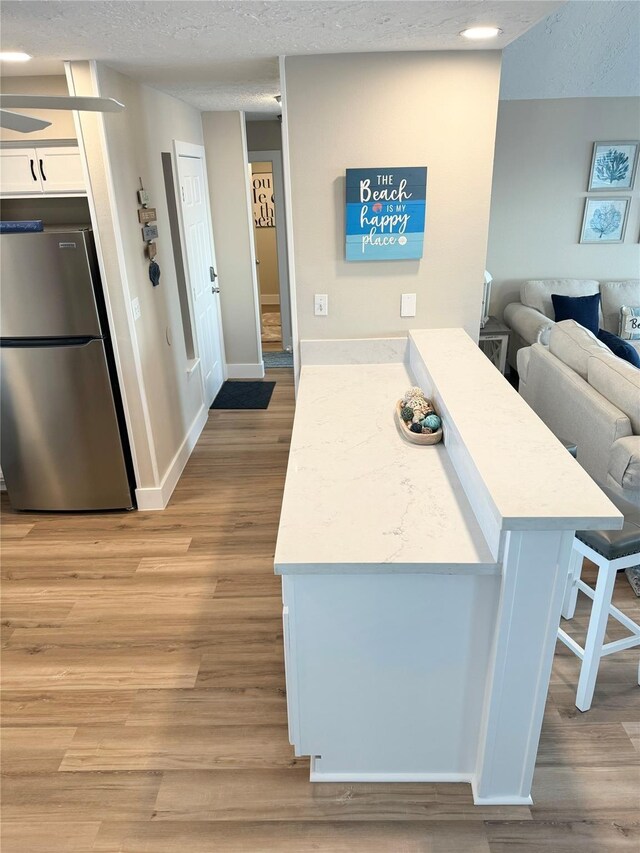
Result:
{"points": [[422, 586]]}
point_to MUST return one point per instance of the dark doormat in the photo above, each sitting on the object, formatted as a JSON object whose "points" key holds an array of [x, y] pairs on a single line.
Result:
{"points": [[243, 395]]}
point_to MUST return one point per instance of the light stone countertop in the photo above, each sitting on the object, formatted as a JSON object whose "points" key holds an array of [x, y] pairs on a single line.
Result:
{"points": [[531, 480], [358, 496]]}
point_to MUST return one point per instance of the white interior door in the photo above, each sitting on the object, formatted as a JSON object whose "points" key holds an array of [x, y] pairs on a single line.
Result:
{"points": [[201, 266]]}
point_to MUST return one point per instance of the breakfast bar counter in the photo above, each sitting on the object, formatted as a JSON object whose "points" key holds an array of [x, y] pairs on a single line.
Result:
{"points": [[422, 586]]}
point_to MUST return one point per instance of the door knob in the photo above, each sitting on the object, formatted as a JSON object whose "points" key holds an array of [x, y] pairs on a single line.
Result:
{"points": [[215, 290]]}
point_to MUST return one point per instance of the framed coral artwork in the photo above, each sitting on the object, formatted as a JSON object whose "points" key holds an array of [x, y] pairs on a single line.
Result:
{"points": [[613, 166], [605, 220]]}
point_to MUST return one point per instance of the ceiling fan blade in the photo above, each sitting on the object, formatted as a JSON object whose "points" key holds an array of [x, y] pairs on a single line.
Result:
{"points": [[23, 124], [60, 102]]}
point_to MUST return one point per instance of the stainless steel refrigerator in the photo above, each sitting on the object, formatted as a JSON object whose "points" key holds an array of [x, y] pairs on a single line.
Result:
{"points": [[63, 440]]}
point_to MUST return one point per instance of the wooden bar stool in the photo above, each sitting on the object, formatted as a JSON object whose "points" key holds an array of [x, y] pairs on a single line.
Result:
{"points": [[610, 550]]}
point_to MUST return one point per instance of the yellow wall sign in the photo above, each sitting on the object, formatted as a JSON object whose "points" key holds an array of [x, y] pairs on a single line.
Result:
{"points": [[264, 212]]}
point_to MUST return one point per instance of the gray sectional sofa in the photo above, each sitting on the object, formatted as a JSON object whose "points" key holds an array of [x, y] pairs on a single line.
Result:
{"points": [[589, 396], [532, 318]]}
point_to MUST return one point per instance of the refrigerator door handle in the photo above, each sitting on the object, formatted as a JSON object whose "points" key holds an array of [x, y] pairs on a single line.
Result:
{"points": [[32, 343]]}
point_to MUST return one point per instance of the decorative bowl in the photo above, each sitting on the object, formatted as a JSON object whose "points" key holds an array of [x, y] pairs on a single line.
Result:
{"points": [[416, 437]]}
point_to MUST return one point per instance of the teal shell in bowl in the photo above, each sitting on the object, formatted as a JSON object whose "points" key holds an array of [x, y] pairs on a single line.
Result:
{"points": [[432, 422]]}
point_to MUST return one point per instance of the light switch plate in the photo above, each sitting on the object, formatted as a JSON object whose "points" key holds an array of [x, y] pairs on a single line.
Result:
{"points": [[408, 305], [321, 304], [135, 307]]}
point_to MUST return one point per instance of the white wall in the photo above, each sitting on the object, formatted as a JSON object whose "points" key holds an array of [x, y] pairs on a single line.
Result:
{"points": [[61, 127], [391, 109], [164, 402], [541, 173], [231, 213]]}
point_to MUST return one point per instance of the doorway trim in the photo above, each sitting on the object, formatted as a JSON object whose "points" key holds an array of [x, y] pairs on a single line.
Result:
{"points": [[288, 212], [189, 149], [275, 158]]}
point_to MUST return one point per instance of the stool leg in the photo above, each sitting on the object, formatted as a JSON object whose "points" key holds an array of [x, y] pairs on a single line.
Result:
{"points": [[595, 636], [571, 591]]}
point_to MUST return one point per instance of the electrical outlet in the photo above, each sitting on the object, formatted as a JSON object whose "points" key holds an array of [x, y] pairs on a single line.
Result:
{"points": [[408, 305], [321, 305], [135, 307]]}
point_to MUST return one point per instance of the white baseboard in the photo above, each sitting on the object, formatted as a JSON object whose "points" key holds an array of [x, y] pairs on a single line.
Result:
{"points": [[245, 371], [498, 800], [320, 776], [158, 498]]}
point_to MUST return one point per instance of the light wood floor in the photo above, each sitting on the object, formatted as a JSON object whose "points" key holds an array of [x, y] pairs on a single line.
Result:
{"points": [[144, 704]]}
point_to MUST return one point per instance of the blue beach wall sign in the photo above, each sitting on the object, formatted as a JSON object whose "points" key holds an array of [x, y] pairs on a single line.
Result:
{"points": [[385, 214]]}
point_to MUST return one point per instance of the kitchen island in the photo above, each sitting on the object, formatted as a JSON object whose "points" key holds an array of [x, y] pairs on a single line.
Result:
{"points": [[422, 586]]}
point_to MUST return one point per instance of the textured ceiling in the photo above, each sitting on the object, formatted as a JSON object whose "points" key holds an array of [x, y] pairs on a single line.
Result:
{"points": [[582, 49], [221, 55]]}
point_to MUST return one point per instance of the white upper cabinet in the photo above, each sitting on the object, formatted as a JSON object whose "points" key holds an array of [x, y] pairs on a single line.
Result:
{"points": [[41, 171], [19, 172], [60, 170]]}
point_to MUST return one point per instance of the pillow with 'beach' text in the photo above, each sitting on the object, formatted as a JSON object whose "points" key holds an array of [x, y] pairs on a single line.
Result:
{"points": [[630, 323]]}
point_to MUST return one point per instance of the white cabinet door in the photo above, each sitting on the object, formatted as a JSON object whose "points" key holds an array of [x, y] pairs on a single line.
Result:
{"points": [[60, 170], [19, 172], [290, 665]]}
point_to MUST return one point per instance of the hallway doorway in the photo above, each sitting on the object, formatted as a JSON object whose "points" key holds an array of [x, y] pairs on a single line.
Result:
{"points": [[267, 193], [264, 226]]}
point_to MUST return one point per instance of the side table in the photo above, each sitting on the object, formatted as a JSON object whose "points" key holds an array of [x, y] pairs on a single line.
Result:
{"points": [[494, 340]]}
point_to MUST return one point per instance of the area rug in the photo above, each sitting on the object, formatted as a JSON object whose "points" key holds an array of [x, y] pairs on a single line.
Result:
{"points": [[633, 576], [243, 395], [271, 327], [277, 359]]}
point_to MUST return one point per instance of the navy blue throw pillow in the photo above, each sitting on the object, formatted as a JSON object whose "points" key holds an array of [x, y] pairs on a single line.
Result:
{"points": [[622, 349], [582, 309]]}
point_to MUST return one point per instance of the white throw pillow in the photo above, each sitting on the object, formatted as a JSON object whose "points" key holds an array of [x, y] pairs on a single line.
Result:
{"points": [[619, 382], [629, 323], [613, 295], [536, 293], [574, 345]]}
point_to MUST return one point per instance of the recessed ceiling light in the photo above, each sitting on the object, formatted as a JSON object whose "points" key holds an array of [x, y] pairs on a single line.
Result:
{"points": [[13, 56], [477, 33]]}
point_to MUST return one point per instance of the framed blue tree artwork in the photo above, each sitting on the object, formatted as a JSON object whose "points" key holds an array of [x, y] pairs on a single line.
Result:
{"points": [[385, 213], [613, 166], [605, 220]]}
